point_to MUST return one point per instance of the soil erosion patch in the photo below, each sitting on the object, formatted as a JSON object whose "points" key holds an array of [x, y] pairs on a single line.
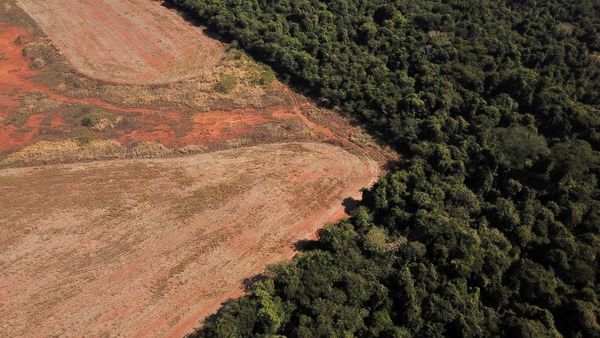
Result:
{"points": [[134, 41], [151, 247]]}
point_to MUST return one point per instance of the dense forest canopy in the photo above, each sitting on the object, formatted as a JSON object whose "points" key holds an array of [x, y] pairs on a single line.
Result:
{"points": [[493, 225]]}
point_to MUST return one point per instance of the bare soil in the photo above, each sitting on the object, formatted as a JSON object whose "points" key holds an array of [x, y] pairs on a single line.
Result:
{"points": [[151, 247], [134, 41]]}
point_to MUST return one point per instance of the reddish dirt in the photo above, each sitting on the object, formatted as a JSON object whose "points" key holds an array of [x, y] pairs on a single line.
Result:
{"points": [[148, 248], [171, 127], [134, 41], [16, 80], [16, 77], [13, 68]]}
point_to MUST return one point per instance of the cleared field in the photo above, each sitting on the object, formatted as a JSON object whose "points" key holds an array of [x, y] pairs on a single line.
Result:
{"points": [[151, 247], [134, 41]]}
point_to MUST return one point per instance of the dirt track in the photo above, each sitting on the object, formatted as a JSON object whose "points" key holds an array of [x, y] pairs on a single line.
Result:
{"points": [[134, 41], [150, 247]]}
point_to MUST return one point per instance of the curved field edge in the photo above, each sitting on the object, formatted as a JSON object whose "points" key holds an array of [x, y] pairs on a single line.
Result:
{"points": [[150, 247], [50, 113], [132, 41]]}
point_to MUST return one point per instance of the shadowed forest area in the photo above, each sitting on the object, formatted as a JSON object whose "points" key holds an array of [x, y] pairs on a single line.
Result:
{"points": [[492, 225]]}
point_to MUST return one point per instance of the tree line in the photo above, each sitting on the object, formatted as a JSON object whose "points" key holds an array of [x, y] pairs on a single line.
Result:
{"points": [[492, 228]]}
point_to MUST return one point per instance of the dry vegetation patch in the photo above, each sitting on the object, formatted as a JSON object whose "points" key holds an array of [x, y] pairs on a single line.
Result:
{"points": [[45, 152]]}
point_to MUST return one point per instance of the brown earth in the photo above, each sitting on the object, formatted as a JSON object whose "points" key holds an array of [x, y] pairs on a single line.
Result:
{"points": [[150, 247], [134, 41]]}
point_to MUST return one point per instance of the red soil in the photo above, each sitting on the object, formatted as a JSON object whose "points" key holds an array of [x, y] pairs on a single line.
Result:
{"points": [[16, 80], [13, 68], [173, 128]]}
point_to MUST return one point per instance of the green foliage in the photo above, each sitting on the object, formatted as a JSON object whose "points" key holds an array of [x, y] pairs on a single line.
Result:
{"points": [[376, 240], [265, 77], [518, 147], [270, 311], [496, 106], [92, 117], [226, 83]]}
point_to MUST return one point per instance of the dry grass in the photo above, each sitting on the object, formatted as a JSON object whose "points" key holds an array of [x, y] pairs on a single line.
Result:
{"points": [[191, 149], [32, 103], [41, 50], [45, 152], [86, 146], [69, 151], [149, 150]]}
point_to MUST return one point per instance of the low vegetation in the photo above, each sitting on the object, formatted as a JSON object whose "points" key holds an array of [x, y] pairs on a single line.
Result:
{"points": [[92, 117], [87, 148], [492, 227], [31, 103], [46, 152], [265, 77], [226, 83]]}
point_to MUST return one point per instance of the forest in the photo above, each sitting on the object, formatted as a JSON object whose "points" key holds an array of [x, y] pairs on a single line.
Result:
{"points": [[491, 225]]}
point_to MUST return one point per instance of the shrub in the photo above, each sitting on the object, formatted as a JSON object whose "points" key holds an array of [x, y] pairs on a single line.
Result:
{"points": [[266, 77], [226, 83]]}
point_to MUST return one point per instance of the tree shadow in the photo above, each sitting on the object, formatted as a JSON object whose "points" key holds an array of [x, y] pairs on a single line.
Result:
{"points": [[196, 21], [350, 204], [305, 245], [248, 283]]}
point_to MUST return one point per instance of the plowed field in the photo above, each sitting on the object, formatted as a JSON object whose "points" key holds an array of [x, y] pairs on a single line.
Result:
{"points": [[150, 247], [133, 41]]}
